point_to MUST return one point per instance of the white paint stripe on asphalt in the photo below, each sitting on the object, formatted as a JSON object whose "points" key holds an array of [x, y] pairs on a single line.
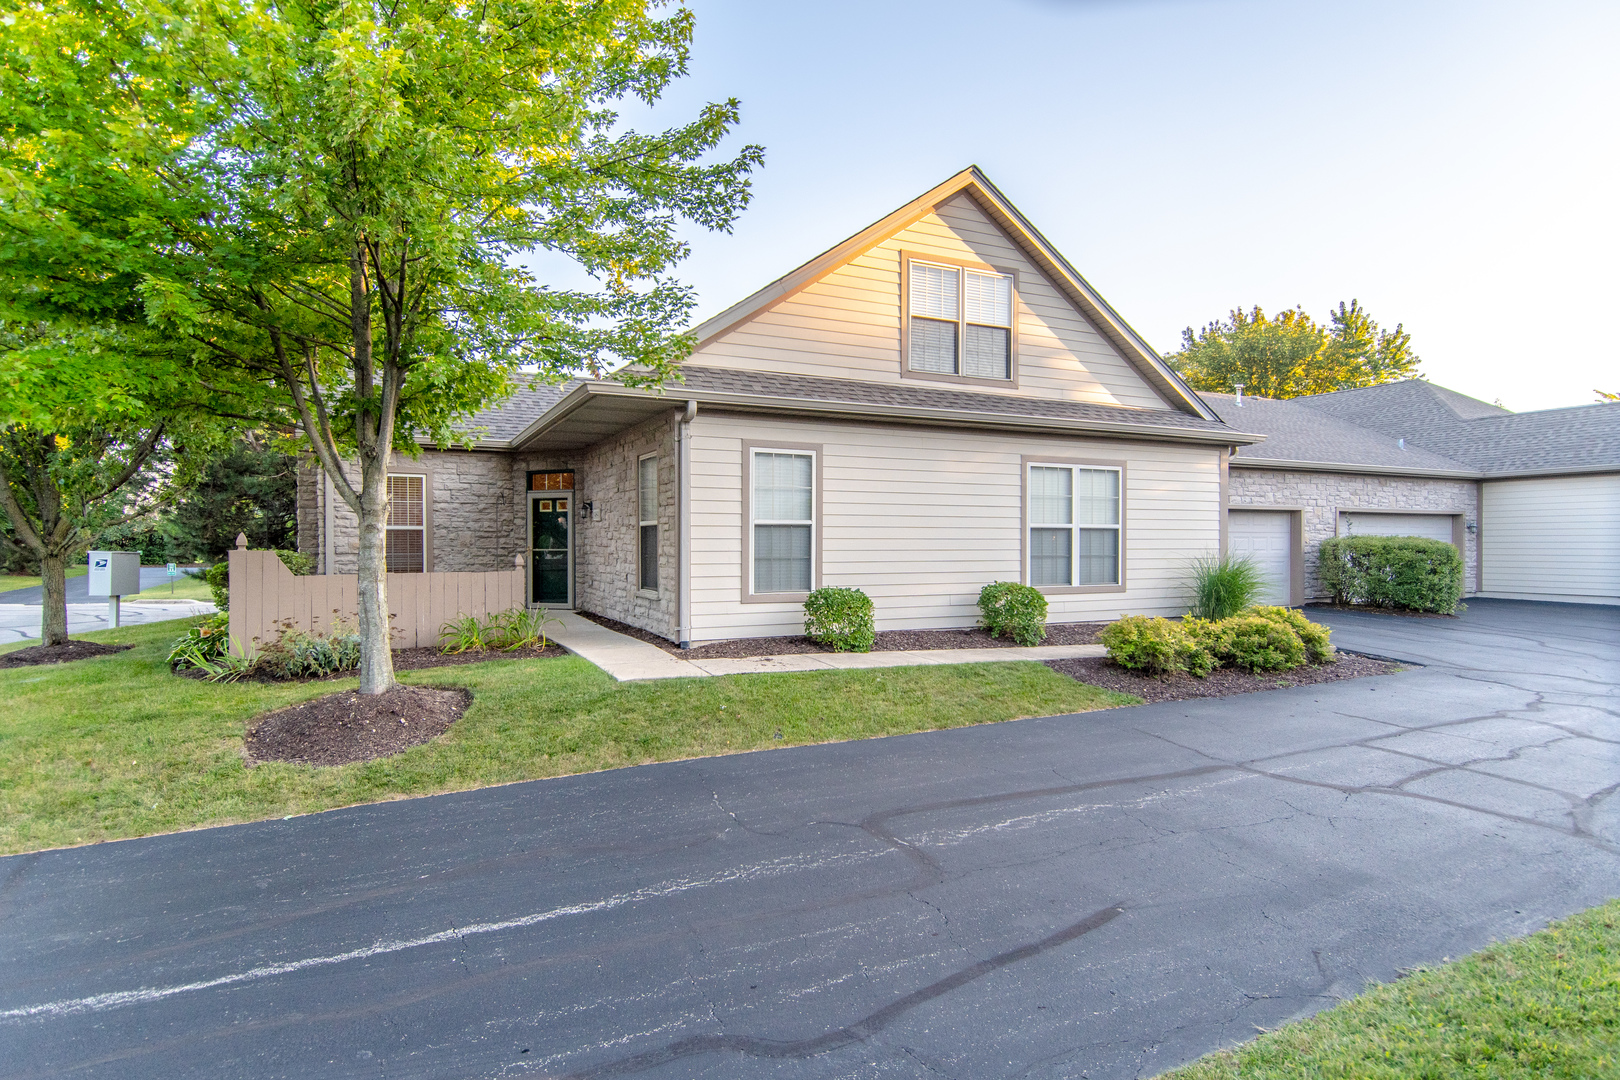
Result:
{"points": [[120, 998]]}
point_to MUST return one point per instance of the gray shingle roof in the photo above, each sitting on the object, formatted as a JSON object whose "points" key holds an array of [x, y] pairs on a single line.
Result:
{"points": [[504, 422], [1298, 433], [902, 395], [1490, 439]]}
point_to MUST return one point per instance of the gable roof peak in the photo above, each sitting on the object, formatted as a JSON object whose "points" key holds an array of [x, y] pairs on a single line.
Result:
{"points": [[1132, 347]]}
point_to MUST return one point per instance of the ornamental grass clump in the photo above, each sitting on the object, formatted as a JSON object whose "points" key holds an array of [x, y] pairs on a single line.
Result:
{"points": [[842, 619], [1018, 611], [1223, 586]]}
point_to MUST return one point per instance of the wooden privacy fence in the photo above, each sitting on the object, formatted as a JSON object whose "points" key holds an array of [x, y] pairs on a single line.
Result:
{"points": [[266, 597]]}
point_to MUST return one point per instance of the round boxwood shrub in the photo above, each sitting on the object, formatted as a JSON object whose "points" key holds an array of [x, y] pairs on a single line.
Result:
{"points": [[840, 618], [1018, 611], [1259, 644], [1406, 572]]}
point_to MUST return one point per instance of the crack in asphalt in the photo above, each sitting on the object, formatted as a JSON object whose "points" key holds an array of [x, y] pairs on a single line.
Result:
{"points": [[860, 1030]]}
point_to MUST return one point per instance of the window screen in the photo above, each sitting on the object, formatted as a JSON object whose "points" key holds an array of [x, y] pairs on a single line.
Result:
{"points": [[960, 321], [783, 512], [1074, 525], [406, 540], [647, 508]]}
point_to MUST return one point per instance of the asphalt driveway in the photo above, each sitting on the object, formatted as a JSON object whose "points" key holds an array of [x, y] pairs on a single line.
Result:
{"points": [[1105, 895]]}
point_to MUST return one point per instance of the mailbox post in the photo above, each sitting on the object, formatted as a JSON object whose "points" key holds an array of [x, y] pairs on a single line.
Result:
{"points": [[114, 574]]}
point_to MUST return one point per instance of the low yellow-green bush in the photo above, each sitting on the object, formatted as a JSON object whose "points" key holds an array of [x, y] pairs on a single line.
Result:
{"points": [[1258, 638]]}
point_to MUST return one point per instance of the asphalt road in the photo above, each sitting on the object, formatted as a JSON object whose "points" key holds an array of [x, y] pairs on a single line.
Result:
{"points": [[78, 588], [1105, 895]]}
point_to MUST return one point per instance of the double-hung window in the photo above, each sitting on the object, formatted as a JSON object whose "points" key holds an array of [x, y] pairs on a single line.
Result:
{"points": [[647, 510], [406, 540], [783, 508], [960, 321], [1074, 525]]}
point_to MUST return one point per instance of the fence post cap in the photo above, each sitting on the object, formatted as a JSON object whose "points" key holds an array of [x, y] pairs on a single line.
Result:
{"points": [[517, 561], [241, 541]]}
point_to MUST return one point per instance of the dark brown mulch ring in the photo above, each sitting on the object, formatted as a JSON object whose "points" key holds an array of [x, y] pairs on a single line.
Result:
{"points": [[1222, 682], [341, 728], [1366, 609], [58, 654], [887, 640]]}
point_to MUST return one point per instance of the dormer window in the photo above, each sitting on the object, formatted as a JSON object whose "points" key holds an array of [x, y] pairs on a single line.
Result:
{"points": [[959, 320]]}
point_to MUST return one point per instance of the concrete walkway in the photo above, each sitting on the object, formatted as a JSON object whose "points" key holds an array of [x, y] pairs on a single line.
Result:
{"points": [[630, 660]]}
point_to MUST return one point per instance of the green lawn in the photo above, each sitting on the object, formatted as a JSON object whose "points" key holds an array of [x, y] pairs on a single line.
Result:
{"points": [[118, 747], [1543, 1006], [9, 582], [184, 588]]}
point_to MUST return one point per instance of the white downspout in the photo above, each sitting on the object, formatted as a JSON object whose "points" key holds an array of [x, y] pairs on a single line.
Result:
{"points": [[683, 526]]}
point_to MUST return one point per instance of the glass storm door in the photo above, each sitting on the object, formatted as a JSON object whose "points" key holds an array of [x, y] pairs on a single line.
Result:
{"points": [[551, 550]]}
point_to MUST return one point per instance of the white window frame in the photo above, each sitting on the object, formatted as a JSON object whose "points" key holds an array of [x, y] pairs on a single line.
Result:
{"points": [[422, 528], [750, 554], [642, 523], [1073, 527], [961, 269]]}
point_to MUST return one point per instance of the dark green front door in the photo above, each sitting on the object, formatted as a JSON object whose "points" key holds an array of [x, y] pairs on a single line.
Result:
{"points": [[550, 532]]}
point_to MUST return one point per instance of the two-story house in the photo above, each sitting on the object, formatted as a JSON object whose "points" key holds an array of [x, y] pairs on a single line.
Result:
{"points": [[937, 403]]}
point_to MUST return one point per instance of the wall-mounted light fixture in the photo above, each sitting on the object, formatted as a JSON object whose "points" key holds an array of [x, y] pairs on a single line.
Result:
{"points": [[587, 508], [1473, 527]]}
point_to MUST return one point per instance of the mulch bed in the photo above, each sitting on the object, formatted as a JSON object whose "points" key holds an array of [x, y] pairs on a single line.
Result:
{"points": [[341, 728], [1366, 609], [887, 640], [58, 654], [1222, 682]]}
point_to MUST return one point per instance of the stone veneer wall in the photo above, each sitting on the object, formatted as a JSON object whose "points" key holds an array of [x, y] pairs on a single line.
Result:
{"points": [[1325, 495], [606, 570], [472, 525]]}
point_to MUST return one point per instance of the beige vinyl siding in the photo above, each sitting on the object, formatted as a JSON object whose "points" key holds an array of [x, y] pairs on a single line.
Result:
{"points": [[1556, 538], [847, 325], [923, 519]]}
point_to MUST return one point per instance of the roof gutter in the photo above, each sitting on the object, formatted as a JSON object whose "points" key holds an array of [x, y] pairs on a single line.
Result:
{"points": [[892, 413], [1347, 467]]}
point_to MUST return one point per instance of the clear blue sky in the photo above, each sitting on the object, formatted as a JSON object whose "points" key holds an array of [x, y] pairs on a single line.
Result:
{"points": [[1455, 166]]}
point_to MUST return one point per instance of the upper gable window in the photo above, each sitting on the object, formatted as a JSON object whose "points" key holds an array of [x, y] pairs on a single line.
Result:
{"points": [[960, 321]]}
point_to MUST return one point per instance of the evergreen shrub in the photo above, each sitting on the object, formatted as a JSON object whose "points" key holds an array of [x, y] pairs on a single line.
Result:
{"points": [[840, 618], [1406, 572], [1018, 611]]}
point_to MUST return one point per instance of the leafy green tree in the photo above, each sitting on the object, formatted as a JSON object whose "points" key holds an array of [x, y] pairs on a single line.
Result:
{"points": [[91, 437], [1291, 355], [330, 201], [248, 488]]}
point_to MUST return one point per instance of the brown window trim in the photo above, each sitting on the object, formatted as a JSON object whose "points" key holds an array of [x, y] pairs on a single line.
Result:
{"points": [[1023, 536], [748, 595], [906, 258]]}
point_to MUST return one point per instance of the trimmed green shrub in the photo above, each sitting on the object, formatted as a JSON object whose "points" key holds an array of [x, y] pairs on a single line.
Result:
{"points": [[1406, 572], [1159, 646], [1249, 641], [1314, 636], [218, 576], [1224, 586], [840, 618], [1018, 611]]}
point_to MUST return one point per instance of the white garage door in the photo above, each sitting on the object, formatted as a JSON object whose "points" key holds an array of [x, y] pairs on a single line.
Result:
{"points": [[1556, 538], [1428, 526], [1266, 536]]}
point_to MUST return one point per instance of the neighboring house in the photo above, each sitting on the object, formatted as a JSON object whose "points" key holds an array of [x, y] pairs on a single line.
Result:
{"points": [[937, 403], [1531, 499]]}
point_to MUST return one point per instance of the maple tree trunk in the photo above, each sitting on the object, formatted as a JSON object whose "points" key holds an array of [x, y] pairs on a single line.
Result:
{"points": [[376, 637], [53, 618]]}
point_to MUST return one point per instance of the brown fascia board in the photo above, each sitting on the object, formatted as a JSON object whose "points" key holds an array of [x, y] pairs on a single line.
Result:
{"points": [[891, 413], [1283, 465], [1135, 350]]}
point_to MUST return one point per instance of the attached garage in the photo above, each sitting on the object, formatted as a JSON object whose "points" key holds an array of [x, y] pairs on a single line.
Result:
{"points": [[1552, 538], [1428, 526], [1267, 538]]}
